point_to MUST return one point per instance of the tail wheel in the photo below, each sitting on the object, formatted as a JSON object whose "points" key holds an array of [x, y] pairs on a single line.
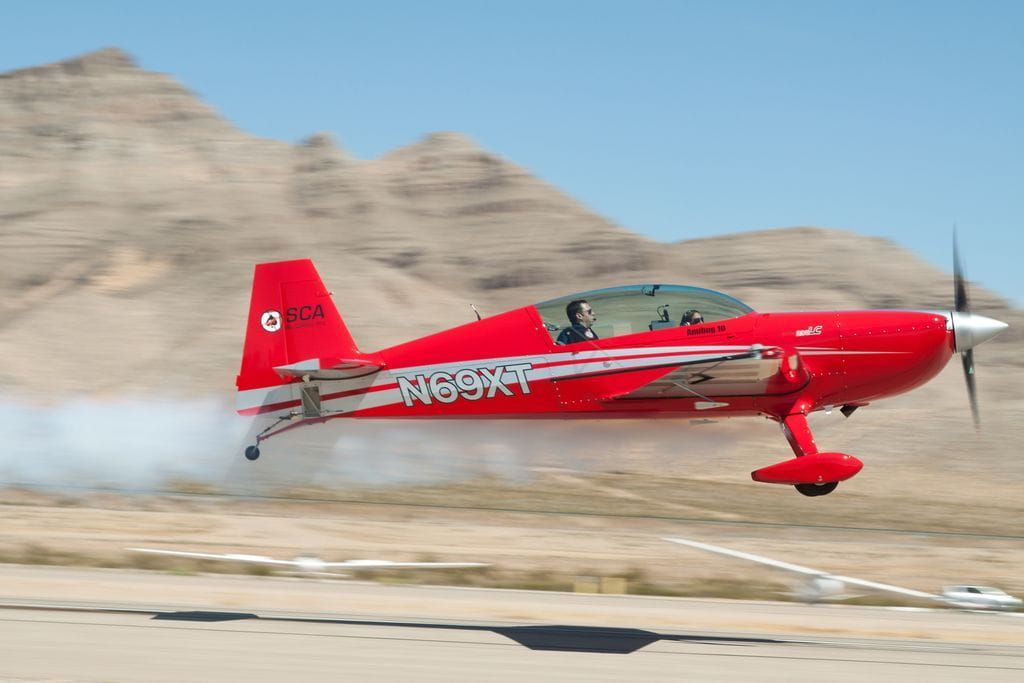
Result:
{"points": [[817, 489], [252, 452]]}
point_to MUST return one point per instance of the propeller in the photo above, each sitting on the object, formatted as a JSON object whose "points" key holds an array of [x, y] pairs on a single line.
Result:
{"points": [[962, 304], [969, 330]]}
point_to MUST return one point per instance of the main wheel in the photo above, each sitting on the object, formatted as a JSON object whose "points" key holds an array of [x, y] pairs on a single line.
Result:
{"points": [[252, 452], [817, 489]]}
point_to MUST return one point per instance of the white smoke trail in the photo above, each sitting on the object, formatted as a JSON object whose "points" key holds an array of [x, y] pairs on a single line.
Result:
{"points": [[120, 444], [147, 444]]}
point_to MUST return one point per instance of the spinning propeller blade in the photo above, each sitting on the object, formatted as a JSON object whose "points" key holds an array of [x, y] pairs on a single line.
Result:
{"points": [[962, 304], [967, 358], [969, 330]]}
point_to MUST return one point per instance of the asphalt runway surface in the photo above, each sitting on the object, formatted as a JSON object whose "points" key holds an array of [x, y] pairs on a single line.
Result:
{"points": [[403, 633]]}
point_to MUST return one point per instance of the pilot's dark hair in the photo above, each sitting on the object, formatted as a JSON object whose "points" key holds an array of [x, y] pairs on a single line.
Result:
{"points": [[689, 314], [573, 308]]}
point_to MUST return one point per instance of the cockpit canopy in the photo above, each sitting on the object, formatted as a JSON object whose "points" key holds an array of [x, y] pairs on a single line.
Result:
{"points": [[642, 308]]}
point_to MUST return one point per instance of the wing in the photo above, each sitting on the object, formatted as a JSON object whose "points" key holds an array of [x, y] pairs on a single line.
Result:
{"points": [[757, 370], [387, 564], [232, 557], [311, 564], [885, 587], [807, 571]]}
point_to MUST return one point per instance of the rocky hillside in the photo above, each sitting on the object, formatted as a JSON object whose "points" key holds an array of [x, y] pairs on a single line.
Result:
{"points": [[131, 215]]}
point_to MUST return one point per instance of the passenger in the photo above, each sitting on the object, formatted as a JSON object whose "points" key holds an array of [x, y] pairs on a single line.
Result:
{"points": [[692, 317], [582, 317]]}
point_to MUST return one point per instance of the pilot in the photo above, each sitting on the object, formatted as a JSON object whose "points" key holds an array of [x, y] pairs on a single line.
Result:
{"points": [[582, 317], [692, 317]]}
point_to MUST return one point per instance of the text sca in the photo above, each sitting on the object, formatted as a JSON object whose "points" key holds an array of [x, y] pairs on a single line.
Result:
{"points": [[303, 313]]}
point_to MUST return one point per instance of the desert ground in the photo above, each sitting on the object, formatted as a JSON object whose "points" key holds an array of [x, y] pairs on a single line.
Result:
{"points": [[560, 531]]}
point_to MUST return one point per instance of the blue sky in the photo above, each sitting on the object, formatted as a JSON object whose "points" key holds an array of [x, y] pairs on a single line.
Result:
{"points": [[673, 119]]}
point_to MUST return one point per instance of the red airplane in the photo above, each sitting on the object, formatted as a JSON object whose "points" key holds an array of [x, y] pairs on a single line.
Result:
{"points": [[624, 352]]}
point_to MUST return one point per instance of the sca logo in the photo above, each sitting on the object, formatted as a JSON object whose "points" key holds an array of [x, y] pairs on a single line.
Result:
{"points": [[304, 314]]}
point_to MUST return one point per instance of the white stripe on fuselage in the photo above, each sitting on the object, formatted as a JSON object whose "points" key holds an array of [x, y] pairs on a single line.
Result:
{"points": [[381, 389], [579, 363], [559, 357]]}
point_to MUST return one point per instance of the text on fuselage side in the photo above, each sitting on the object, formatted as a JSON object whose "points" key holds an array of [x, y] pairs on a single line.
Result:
{"points": [[471, 384], [714, 329]]}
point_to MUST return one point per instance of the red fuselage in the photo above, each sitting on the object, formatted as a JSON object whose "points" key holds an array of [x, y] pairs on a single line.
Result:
{"points": [[828, 359]]}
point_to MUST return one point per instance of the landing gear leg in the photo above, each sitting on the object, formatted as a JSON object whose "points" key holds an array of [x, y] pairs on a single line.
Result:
{"points": [[800, 439], [799, 435], [253, 452]]}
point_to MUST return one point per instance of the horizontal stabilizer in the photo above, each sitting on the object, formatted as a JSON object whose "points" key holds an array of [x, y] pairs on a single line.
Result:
{"points": [[329, 368]]}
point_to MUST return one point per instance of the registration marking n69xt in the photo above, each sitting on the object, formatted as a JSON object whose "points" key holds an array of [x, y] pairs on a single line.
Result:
{"points": [[471, 384]]}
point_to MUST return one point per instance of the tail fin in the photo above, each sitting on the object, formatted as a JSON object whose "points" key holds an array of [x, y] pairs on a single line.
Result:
{"points": [[292, 320]]}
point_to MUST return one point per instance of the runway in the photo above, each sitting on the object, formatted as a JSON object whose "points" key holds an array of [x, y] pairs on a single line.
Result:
{"points": [[403, 633]]}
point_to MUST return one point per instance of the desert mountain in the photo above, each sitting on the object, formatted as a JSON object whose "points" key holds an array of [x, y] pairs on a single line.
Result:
{"points": [[131, 215]]}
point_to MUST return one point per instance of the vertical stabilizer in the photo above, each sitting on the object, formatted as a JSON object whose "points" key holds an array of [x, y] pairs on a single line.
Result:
{"points": [[292, 319]]}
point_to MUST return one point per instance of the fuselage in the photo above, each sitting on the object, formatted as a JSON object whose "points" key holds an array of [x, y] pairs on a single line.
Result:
{"points": [[509, 366]]}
